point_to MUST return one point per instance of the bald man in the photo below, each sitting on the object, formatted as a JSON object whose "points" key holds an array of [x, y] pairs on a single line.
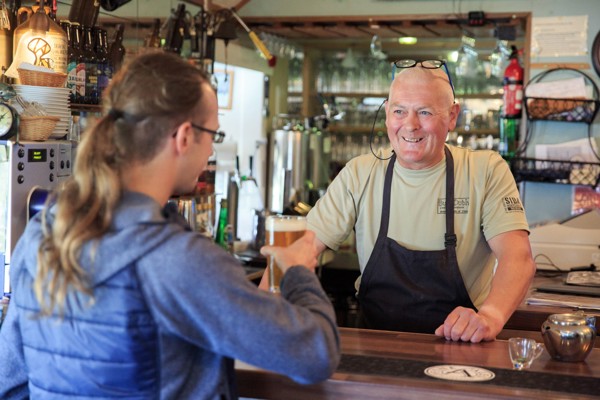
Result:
{"points": [[441, 233]]}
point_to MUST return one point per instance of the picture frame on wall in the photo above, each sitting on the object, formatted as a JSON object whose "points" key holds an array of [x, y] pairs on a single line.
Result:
{"points": [[224, 88]]}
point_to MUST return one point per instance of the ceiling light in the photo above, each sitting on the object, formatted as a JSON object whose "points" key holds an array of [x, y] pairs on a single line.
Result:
{"points": [[373, 24], [407, 40]]}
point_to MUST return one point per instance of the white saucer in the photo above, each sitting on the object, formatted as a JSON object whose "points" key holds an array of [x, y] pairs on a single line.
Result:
{"points": [[464, 373]]}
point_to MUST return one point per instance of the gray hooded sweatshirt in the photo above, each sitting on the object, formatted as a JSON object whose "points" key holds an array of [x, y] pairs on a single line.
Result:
{"points": [[170, 312]]}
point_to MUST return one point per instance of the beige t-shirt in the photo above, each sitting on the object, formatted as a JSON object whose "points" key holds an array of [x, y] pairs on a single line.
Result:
{"points": [[487, 203]]}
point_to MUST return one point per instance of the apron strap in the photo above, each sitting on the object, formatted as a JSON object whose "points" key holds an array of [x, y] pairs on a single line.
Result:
{"points": [[387, 194], [450, 236]]}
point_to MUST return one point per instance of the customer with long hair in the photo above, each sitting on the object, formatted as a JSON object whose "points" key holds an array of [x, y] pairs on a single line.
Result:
{"points": [[115, 297]]}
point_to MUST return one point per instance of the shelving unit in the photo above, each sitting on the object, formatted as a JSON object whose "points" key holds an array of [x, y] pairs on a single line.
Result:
{"points": [[352, 127], [556, 171], [482, 96], [556, 110], [83, 115], [93, 108], [323, 75], [344, 94], [478, 131]]}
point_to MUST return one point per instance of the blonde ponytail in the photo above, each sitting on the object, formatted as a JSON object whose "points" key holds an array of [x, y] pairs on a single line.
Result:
{"points": [[154, 93]]}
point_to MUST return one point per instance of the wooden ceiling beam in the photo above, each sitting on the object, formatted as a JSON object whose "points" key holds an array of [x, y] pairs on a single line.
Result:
{"points": [[388, 31], [426, 25], [347, 31], [430, 25], [393, 28], [333, 30], [318, 31]]}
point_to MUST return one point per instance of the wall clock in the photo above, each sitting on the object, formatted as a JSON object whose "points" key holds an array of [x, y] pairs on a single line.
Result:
{"points": [[9, 121]]}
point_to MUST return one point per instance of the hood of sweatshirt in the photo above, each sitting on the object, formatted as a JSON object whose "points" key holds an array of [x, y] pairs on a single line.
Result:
{"points": [[139, 225]]}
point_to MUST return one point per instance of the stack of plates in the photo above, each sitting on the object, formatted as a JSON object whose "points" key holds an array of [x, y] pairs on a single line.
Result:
{"points": [[54, 100]]}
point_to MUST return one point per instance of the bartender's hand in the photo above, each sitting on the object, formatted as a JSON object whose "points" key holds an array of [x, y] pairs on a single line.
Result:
{"points": [[464, 324], [302, 252]]}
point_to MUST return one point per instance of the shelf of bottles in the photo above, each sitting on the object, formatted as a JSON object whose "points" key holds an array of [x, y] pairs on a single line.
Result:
{"points": [[85, 108], [91, 61], [345, 147], [353, 95], [366, 76]]}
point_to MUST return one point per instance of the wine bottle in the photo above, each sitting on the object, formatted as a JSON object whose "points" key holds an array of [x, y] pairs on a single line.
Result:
{"points": [[109, 67], [101, 62], [76, 34], [91, 67], [176, 29], [116, 53], [153, 40], [72, 55]]}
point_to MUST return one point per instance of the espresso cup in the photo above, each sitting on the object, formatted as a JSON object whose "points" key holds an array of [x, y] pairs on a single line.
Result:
{"points": [[523, 351], [281, 230]]}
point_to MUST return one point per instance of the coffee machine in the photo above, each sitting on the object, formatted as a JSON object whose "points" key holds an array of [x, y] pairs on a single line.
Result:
{"points": [[24, 167], [299, 153], [288, 145]]}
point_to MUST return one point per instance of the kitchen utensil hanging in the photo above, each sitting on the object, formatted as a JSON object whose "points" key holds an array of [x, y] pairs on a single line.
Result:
{"points": [[4, 17]]}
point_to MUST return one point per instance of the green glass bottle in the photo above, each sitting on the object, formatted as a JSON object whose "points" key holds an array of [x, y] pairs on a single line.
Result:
{"points": [[221, 237], [509, 133]]}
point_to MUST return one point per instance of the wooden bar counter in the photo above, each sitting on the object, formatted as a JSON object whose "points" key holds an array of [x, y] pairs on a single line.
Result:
{"points": [[390, 365], [529, 317]]}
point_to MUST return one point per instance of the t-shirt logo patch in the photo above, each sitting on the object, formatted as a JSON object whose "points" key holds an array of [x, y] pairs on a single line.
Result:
{"points": [[461, 206], [512, 204]]}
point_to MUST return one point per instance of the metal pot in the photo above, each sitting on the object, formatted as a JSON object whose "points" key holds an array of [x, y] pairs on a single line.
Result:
{"points": [[569, 337]]}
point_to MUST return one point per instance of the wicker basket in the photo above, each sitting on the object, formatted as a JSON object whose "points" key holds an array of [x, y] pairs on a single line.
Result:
{"points": [[38, 78], [568, 110], [37, 128]]}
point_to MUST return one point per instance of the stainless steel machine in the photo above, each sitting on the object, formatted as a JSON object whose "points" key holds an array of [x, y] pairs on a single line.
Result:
{"points": [[288, 146], [299, 154], [24, 167]]}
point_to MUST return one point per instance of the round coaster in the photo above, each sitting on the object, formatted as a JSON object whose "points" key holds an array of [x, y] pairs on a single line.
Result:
{"points": [[464, 373]]}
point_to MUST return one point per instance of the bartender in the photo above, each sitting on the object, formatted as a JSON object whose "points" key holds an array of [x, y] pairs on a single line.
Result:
{"points": [[442, 237]]}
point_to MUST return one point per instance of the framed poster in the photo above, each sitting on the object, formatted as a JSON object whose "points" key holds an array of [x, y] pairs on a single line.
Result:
{"points": [[224, 88]]}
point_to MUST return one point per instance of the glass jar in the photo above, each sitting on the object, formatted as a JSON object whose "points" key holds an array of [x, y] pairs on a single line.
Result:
{"points": [[41, 42]]}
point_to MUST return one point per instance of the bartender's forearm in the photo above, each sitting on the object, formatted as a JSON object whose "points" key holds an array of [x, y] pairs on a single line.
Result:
{"points": [[320, 246], [513, 276]]}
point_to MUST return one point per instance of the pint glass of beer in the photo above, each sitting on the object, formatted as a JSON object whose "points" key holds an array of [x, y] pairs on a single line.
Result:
{"points": [[281, 230]]}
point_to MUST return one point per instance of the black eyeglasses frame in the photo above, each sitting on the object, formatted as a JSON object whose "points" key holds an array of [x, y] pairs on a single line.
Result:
{"points": [[427, 64], [218, 136]]}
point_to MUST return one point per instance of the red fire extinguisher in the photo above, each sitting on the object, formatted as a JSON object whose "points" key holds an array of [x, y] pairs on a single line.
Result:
{"points": [[513, 87]]}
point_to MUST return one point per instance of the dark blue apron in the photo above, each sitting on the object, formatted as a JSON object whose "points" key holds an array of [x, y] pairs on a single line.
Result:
{"points": [[409, 290]]}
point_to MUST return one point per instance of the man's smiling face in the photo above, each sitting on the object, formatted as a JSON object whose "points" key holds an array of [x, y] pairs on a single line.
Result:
{"points": [[419, 113]]}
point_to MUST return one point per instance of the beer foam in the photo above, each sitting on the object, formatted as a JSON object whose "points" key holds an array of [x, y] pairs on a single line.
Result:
{"points": [[292, 224]]}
